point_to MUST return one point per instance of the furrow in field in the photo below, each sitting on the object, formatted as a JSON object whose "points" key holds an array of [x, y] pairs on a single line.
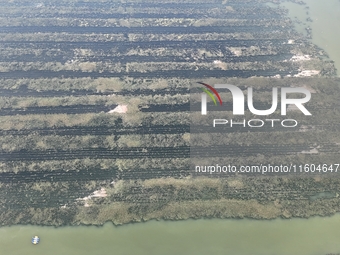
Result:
{"points": [[140, 30], [73, 109], [228, 58], [164, 152], [189, 74]]}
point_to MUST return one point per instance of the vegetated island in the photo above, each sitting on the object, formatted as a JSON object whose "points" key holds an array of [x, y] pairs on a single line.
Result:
{"points": [[95, 112]]}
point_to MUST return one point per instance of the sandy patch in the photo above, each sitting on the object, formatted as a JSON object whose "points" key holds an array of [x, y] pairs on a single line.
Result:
{"points": [[221, 64], [307, 73], [97, 193], [119, 109], [312, 151], [278, 76], [236, 51], [298, 58]]}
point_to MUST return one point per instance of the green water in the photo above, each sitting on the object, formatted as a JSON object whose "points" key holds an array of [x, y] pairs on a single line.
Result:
{"points": [[325, 22], [192, 237]]}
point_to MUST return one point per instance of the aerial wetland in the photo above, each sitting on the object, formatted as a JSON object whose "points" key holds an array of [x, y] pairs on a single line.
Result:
{"points": [[96, 128]]}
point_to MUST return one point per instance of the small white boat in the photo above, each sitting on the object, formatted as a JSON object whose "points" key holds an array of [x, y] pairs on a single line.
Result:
{"points": [[35, 240]]}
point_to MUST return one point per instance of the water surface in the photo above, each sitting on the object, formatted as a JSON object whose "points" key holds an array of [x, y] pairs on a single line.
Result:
{"points": [[314, 236], [325, 20]]}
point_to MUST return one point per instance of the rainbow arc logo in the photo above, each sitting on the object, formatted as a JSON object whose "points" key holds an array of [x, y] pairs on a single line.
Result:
{"points": [[239, 99], [211, 95]]}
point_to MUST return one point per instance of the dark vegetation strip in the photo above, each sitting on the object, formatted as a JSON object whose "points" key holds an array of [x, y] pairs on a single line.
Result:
{"points": [[90, 175], [140, 30], [58, 175], [189, 74], [143, 15], [227, 106], [263, 192], [156, 129], [72, 109], [139, 195], [229, 58], [148, 5], [145, 174], [19, 198], [164, 152], [25, 92], [257, 149], [264, 129], [201, 5], [167, 108], [144, 11], [179, 5], [102, 130], [124, 46], [79, 109], [110, 4], [247, 11], [99, 153]]}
